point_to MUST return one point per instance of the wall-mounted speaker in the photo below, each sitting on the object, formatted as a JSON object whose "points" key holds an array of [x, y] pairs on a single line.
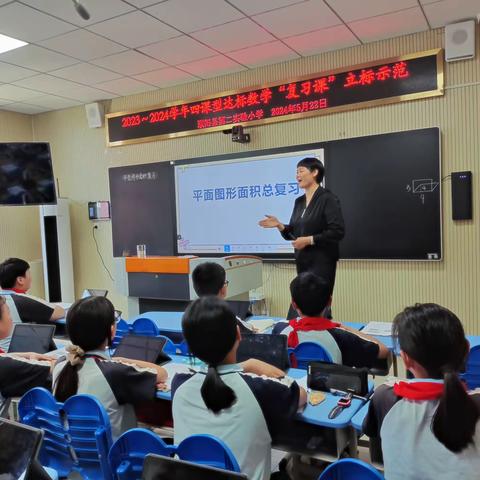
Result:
{"points": [[461, 195], [94, 113], [460, 41]]}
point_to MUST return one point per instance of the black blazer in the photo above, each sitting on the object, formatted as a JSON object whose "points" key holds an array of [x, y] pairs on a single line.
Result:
{"points": [[324, 220]]}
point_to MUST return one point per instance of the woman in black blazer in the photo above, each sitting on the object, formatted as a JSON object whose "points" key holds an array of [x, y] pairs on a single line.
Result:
{"points": [[316, 225]]}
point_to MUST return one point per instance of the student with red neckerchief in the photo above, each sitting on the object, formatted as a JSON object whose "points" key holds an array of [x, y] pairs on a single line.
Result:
{"points": [[427, 428], [310, 296]]}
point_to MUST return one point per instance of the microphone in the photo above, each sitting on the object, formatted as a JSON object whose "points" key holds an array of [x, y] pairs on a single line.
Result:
{"points": [[81, 10]]}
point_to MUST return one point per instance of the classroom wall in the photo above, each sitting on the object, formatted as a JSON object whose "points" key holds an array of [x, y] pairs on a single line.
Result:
{"points": [[364, 290], [15, 240]]}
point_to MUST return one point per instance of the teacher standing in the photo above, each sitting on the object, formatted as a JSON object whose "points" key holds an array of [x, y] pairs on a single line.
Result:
{"points": [[316, 225]]}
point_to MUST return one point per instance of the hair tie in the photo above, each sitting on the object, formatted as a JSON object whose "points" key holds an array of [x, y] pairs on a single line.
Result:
{"points": [[75, 355]]}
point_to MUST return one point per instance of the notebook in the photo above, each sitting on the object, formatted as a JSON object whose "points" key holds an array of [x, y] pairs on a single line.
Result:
{"points": [[31, 337]]}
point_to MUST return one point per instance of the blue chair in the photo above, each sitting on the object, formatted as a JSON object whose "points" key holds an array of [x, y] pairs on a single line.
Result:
{"points": [[207, 450], [169, 348], [307, 352], [77, 434], [350, 469], [130, 449], [145, 326], [472, 370], [123, 328]]}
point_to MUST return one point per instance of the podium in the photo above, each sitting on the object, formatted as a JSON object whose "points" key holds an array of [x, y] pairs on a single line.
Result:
{"points": [[165, 283]]}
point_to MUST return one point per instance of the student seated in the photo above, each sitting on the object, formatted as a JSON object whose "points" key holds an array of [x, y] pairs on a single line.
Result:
{"points": [[347, 346], [427, 427], [225, 399], [117, 383], [210, 278], [15, 281]]}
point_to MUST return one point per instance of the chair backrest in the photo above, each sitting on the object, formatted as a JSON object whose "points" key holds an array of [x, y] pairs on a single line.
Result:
{"points": [[77, 434], [128, 453], [169, 348], [145, 326], [472, 370], [207, 450], [350, 469], [123, 328], [307, 352]]}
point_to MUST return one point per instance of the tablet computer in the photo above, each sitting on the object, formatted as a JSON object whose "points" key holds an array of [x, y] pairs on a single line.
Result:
{"points": [[142, 347], [157, 467], [31, 337], [269, 348]]}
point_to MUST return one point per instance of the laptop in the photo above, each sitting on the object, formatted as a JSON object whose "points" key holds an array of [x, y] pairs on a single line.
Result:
{"points": [[142, 347], [269, 348], [20, 445], [94, 292], [157, 467], [31, 337]]}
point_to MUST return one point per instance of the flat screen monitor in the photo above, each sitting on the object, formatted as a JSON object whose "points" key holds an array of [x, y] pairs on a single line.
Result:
{"points": [[157, 467], [268, 348], [26, 174], [30, 337], [20, 444], [142, 347]]}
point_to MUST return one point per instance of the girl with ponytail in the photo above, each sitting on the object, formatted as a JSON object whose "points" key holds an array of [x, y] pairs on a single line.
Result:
{"points": [[235, 402], [119, 383], [428, 426]]}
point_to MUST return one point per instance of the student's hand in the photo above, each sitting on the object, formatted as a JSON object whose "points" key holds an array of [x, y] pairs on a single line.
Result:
{"points": [[162, 387], [258, 367], [301, 242], [269, 222], [34, 356]]}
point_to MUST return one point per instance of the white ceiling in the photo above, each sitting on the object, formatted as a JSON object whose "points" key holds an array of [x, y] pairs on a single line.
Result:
{"points": [[133, 46]]}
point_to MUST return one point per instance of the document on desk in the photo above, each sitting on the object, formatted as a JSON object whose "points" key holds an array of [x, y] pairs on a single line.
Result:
{"points": [[381, 329], [172, 369], [261, 325]]}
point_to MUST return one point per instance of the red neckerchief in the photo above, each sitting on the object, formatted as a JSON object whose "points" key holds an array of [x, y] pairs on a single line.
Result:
{"points": [[306, 324], [419, 390], [17, 290]]}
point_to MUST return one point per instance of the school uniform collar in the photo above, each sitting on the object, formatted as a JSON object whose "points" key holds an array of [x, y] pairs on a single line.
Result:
{"points": [[103, 354], [18, 290], [224, 369], [419, 389]]}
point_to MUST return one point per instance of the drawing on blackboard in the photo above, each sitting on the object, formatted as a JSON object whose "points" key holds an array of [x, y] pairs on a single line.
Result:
{"points": [[421, 186]]}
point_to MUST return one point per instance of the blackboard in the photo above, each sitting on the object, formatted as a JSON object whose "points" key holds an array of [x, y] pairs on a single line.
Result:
{"points": [[142, 198], [389, 188], [390, 191]]}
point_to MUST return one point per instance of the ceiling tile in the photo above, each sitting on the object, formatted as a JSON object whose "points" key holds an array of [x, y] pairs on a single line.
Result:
{"points": [[187, 16], [327, 39], [252, 7], [126, 86], [85, 73], [24, 108], [84, 94], [349, 11], [166, 77], [178, 50], [234, 35], [5, 102], [212, 67], [266, 54], [46, 84], [144, 3], [129, 63], [83, 45], [297, 19], [3, 2], [10, 73], [18, 94], [390, 25], [25, 23], [449, 11], [99, 9], [53, 102], [134, 29], [37, 58]]}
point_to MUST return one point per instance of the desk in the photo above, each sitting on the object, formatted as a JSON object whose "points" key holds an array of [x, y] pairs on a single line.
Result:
{"points": [[315, 415], [359, 417], [165, 321]]}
